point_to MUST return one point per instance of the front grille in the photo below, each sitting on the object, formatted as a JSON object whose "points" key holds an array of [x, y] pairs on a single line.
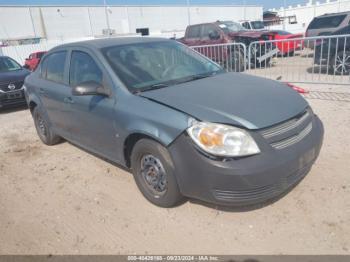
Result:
{"points": [[286, 126], [5, 86], [294, 139], [289, 132]]}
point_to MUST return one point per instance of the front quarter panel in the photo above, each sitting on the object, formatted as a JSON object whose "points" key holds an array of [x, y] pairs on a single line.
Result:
{"points": [[138, 115]]}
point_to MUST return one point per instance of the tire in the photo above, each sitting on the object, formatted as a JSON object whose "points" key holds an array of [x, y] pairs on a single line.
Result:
{"points": [[43, 128], [153, 172], [341, 63], [237, 63]]}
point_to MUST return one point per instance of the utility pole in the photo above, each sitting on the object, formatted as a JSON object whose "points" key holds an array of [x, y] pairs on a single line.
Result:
{"points": [[244, 10], [188, 12], [284, 14], [107, 17]]}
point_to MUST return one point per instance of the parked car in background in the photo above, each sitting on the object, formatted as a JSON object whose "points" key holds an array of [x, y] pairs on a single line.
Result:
{"points": [[334, 52], [253, 25], [33, 60], [12, 76], [224, 32], [326, 24], [287, 47], [181, 124]]}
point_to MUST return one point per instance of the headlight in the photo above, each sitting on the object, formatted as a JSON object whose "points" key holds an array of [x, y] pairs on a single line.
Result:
{"points": [[222, 140]]}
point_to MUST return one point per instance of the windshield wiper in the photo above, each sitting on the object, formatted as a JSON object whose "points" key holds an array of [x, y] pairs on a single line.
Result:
{"points": [[175, 82], [151, 87], [199, 76]]}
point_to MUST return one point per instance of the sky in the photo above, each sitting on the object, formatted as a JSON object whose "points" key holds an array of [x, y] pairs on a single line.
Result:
{"points": [[265, 3]]}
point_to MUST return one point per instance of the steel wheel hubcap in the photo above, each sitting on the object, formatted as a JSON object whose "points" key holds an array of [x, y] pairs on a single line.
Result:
{"points": [[41, 125], [154, 174]]}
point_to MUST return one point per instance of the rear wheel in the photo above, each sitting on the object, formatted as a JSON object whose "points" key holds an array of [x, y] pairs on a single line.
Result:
{"points": [[341, 63], [43, 129], [153, 171]]}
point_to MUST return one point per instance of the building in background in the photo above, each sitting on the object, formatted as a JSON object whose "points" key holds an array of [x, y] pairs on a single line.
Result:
{"points": [[297, 18], [75, 22]]}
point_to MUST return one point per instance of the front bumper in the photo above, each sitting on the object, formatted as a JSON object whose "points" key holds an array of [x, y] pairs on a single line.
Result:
{"points": [[12, 99], [248, 180]]}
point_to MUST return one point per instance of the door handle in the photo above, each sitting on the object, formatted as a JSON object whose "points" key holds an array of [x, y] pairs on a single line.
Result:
{"points": [[41, 91], [68, 100]]}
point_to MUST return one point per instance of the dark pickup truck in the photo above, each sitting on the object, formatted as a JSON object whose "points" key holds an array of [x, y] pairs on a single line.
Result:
{"points": [[203, 36]]}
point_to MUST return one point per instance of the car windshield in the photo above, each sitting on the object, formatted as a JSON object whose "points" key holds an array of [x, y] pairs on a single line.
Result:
{"points": [[7, 64], [40, 55], [231, 27], [152, 65], [281, 32], [257, 25]]}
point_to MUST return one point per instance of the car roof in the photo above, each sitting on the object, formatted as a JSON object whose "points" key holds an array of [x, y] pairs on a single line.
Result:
{"points": [[112, 41], [334, 14]]}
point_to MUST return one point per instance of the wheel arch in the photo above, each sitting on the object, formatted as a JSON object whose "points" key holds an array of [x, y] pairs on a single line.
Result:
{"points": [[131, 140]]}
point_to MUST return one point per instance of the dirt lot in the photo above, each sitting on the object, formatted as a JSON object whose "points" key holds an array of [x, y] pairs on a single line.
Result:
{"points": [[63, 200]]}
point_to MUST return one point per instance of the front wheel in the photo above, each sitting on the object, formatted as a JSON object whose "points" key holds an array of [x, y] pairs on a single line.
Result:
{"points": [[236, 63], [153, 171]]}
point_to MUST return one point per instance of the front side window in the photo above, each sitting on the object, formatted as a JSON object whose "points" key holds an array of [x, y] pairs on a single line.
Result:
{"points": [[257, 25], [83, 68], [8, 64], [144, 66], [53, 67]]}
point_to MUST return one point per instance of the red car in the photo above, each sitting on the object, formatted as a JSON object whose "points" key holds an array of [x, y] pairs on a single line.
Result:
{"points": [[287, 47], [33, 60], [223, 32]]}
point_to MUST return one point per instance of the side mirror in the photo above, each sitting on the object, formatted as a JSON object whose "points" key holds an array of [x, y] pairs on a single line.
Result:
{"points": [[89, 88], [214, 35]]}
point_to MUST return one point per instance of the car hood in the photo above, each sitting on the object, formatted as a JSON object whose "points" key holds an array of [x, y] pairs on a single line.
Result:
{"points": [[232, 98], [13, 76]]}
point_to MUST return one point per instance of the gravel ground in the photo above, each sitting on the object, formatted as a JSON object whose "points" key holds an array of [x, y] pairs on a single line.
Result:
{"points": [[62, 200]]}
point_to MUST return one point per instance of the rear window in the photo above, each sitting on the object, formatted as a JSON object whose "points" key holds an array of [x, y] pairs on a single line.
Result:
{"points": [[327, 22]]}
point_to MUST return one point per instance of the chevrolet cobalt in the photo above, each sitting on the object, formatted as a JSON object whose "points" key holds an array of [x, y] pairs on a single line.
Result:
{"points": [[182, 125]]}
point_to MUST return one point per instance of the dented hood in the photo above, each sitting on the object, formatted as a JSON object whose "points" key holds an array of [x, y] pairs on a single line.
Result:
{"points": [[232, 98]]}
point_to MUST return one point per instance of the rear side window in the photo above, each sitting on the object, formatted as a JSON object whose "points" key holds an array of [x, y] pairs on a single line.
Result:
{"points": [[344, 31], [246, 25], [327, 22], [194, 31], [83, 68], [52, 67]]}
